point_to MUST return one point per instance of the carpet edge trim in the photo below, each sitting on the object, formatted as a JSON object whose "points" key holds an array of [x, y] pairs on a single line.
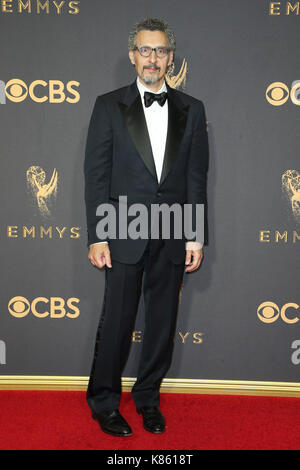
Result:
{"points": [[169, 385]]}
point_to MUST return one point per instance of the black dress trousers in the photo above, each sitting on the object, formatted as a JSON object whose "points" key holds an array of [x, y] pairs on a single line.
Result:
{"points": [[161, 280]]}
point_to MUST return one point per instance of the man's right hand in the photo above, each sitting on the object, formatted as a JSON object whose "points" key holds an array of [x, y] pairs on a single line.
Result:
{"points": [[99, 255]]}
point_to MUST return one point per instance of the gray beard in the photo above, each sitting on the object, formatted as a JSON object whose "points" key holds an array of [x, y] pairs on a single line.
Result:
{"points": [[150, 79]]}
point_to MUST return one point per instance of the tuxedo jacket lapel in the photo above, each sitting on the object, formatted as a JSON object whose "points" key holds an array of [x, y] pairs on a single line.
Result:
{"points": [[133, 113], [137, 127], [177, 118]]}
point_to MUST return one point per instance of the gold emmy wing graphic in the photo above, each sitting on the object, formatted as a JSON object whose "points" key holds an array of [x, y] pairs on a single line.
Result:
{"points": [[175, 81], [41, 191], [291, 188]]}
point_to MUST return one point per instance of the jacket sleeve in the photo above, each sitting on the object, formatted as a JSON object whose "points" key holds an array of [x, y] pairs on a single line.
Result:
{"points": [[197, 170], [97, 165]]}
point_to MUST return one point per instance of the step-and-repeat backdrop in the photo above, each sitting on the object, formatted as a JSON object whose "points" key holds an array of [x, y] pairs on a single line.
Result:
{"points": [[239, 313]]}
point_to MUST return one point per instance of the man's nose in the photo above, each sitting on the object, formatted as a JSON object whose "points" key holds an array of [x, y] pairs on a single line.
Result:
{"points": [[152, 56]]}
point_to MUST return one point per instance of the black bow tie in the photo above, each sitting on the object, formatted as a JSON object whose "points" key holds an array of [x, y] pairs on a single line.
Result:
{"points": [[149, 98]]}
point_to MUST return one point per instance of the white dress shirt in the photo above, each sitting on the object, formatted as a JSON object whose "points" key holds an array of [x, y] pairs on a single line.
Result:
{"points": [[157, 123]]}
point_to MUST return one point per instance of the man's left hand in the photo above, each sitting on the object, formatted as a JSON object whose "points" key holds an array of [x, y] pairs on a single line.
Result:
{"points": [[193, 259]]}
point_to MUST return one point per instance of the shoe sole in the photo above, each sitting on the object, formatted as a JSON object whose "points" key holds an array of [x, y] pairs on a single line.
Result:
{"points": [[154, 432], [115, 434]]}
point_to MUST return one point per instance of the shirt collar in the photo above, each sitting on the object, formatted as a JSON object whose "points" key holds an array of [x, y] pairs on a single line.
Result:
{"points": [[142, 88]]}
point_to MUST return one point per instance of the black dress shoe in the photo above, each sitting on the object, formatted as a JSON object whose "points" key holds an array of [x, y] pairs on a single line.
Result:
{"points": [[153, 420], [113, 423]]}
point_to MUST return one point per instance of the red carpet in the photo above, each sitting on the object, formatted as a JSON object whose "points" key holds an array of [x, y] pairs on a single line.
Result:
{"points": [[61, 420]]}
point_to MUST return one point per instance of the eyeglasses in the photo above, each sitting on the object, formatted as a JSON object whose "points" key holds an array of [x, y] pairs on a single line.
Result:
{"points": [[146, 51]]}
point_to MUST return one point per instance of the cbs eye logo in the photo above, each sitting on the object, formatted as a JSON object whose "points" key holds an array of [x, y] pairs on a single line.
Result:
{"points": [[54, 91], [55, 307], [269, 312], [278, 93]]}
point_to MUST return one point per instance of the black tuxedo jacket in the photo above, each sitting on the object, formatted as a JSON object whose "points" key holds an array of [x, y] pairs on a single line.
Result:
{"points": [[119, 162]]}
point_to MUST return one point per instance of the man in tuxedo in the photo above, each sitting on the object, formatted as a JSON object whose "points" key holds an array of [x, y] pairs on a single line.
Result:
{"points": [[149, 142]]}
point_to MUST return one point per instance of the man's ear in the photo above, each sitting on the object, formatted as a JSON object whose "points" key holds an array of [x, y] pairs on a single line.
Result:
{"points": [[171, 58], [131, 57]]}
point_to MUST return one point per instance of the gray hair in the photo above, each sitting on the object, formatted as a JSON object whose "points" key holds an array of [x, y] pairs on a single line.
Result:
{"points": [[151, 24]]}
